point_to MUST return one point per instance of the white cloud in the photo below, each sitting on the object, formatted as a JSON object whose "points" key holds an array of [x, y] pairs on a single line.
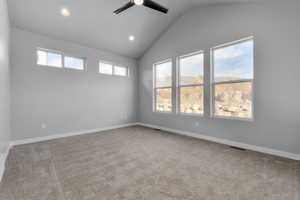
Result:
{"points": [[227, 53]]}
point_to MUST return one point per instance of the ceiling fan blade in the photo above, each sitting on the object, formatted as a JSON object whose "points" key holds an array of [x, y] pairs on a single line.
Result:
{"points": [[125, 7], [155, 6]]}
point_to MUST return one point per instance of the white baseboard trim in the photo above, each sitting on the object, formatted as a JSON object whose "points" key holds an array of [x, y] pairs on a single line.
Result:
{"points": [[227, 142], [57, 136], [3, 157], [179, 132]]}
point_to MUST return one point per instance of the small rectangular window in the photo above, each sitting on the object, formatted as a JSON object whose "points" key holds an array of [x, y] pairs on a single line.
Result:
{"points": [[191, 83], [73, 63], [233, 79], [105, 68], [49, 58], [163, 87], [42, 57], [120, 71]]}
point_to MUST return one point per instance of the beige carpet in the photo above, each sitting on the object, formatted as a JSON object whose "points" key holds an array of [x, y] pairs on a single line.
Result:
{"points": [[138, 163]]}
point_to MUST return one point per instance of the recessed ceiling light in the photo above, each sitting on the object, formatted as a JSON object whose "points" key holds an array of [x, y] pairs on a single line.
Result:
{"points": [[65, 12], [138, 2], [131, 38]]}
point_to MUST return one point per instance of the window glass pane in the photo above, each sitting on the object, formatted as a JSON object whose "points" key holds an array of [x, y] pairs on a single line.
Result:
{"points": [[191, 69], [234, 62], [105, 68], [234, 100], [54, 59], [191, 100], [120, 71], [74, 63], [164, 100], [41, 57], [163, 74]]}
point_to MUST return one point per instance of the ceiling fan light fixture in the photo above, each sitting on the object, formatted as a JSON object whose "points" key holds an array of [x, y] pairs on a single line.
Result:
{"points": [[138, 2]]}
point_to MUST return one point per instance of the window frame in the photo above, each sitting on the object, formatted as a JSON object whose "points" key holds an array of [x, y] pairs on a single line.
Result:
{"points": [[49, 51], [106, 62], [63, 55], [121, 66], [76, 57], [213, 83], [179, 86], [113, 68], [154, 99]]}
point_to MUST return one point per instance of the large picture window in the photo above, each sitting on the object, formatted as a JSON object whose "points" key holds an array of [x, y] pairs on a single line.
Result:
{"points": [[232, 84], [191, 83], [163, 86]]}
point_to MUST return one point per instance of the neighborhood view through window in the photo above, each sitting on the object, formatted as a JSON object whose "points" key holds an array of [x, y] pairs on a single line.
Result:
{"points": [[233, 77]]}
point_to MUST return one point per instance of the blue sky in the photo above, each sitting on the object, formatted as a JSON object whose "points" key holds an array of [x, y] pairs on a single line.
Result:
{"points": [[163, 72], [164, 69], [74, 63], [192, 66], [234, 61], [54, 59]]}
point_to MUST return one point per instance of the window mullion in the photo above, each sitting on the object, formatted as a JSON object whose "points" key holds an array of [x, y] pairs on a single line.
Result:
{"points": [[233, 81], [47, 58], [192, 85], [63, 60], [167, 87]]}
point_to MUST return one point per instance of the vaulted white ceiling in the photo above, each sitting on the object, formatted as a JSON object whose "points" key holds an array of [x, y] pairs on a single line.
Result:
{"points": [[92, 22]]}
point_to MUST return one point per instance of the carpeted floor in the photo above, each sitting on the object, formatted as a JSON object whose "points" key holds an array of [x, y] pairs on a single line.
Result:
{"points": [[138, 163]]}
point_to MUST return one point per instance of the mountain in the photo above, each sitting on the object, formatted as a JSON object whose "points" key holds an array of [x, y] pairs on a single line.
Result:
{"points": [[230, 99]]}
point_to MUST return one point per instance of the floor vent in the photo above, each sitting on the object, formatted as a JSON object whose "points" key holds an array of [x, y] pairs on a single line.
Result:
{"points": [[237, 148], [156, 129]]}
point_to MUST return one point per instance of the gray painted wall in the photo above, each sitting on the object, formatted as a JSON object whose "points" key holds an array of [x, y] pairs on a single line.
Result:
{"points": [[4, 78], [276, 29], [67, 100]]}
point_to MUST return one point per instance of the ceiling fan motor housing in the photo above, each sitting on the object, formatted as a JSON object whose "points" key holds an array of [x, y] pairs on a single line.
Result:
{"points": [[138, 2], [147, 3]]}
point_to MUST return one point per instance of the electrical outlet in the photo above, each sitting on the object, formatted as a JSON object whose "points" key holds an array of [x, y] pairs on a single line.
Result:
{"points": [[197, 124]]}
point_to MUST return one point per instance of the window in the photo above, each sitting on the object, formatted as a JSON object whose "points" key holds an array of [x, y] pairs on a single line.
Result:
{"points": [[191, 84], [120, 71], [105, 68], [163, 86], [111, 69], [233, 79], [49, 58], [73, 63], [57, 59]]}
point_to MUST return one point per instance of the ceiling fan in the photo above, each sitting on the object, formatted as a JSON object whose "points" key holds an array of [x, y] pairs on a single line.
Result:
{"points": [[148, 3]]}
